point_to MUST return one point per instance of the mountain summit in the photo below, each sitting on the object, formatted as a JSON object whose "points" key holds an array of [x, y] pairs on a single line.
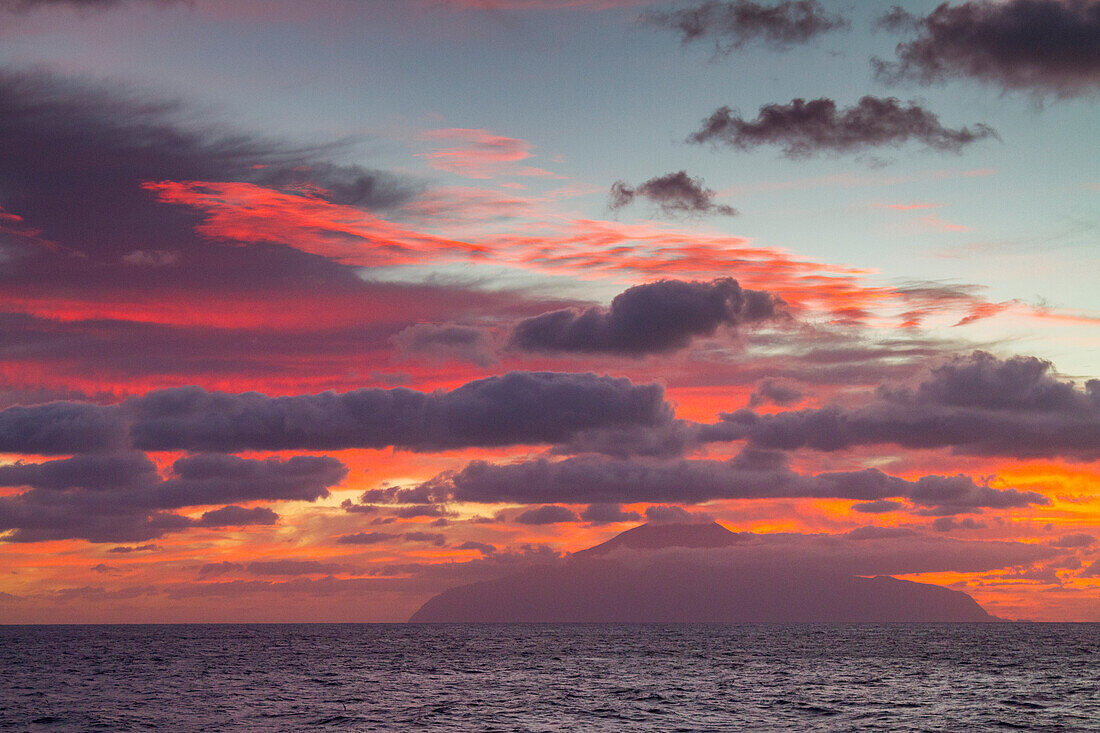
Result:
{"points": [[663, 536], [676, 573]]}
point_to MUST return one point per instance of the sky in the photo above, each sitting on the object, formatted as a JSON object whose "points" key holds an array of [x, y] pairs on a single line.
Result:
{"points": [[313, 310]]}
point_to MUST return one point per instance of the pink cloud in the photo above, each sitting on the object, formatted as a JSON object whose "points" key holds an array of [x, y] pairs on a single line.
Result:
{"points": [[480, 154], [247, 213]]}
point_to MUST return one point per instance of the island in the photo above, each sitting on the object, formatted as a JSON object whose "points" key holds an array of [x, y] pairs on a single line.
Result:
{"points": [[678, 573]]}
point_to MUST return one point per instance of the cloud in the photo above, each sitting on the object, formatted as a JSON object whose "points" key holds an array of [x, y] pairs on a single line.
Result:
{"points": [[374, 538], [675, 194], [100, 473], [1079, 539], [23, 5], [210, 478], [647, 319], [515, 408], [803, 129], [496, 5], [59, 427], [128, 550], [608, 513], [548, 514], [662, 441], [104, 278], [483, 548], [948, 524], [1041, 46], [447, 342], [776, 392], [975, 404], [863, 551], [752, 474], [104, 145], [433, 538], [733, 24], [364, 538], [251, 213], [219, 568], [674, 515], [480, 154], [421, 510], [235, 516], [878, 507], [293, 567], [122, 498]]}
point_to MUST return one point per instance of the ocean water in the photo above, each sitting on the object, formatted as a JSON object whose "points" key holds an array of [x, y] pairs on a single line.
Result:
{"points": [[888, 677]]}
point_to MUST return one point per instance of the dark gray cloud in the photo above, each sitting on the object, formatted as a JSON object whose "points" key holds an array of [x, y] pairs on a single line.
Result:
{"points": [[1079, 539], [733, 24], [803, 129], [125, 550], [433, 538], [647, 319], [101, 473], [878, 507], [18, 6], [121, 498], [1042, 46], [421, 510], [516, 408], [663, 441], [753, 474], [59, 427], [608, 513], [373, 538], [674, 515], [219, 568], [949, 524], [775, 392], [211, 478], [878, 533], [483, 548], [75, 165], [675, 194], [293, 567], [236, 516], [548, 514], [863, 551], [976, 404], [364, 538], [446, 342]]}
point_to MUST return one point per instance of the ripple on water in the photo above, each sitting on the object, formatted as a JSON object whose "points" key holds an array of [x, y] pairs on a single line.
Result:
{"points": [[902, 677]]}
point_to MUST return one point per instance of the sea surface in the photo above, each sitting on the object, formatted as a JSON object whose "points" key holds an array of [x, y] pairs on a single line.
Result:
{"points": [[888, 677]]}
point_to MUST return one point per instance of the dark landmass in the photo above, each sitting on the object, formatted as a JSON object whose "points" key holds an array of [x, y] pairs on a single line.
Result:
{"points": [[661, 573]]}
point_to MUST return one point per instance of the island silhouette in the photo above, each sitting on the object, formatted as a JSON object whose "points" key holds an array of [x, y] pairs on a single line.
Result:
{"points": [[685, 573]]}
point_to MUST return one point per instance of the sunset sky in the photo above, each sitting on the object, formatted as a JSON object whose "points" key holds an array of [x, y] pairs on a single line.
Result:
{"points": [[312, 310]]}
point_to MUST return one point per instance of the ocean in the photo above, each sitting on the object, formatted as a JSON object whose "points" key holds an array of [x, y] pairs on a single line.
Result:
{"points": [[516, 677]]}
